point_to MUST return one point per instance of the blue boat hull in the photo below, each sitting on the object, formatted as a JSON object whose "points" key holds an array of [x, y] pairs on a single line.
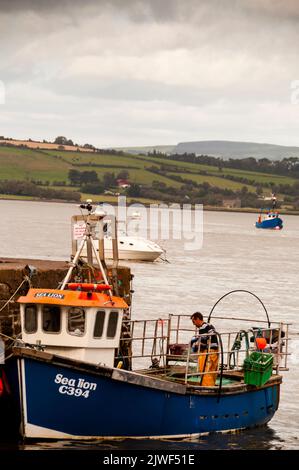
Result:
{"points": [[274, 224], [61, 402]]}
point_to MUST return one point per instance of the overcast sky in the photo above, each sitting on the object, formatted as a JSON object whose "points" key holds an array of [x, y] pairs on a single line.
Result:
{"points": [[128, 72]]}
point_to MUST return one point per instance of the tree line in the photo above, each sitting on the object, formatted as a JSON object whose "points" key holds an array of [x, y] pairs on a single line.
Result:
{"points": [[28, 188], [285, 167]]}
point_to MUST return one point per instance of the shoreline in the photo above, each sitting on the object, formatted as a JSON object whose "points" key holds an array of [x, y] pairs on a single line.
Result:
{"points": [[249, 210]]}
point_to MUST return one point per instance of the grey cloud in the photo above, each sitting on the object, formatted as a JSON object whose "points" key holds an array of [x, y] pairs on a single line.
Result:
{"points": [[255, 40], [131, 90], [137, 11], [118, 89], [273, 8], [140, 10]]}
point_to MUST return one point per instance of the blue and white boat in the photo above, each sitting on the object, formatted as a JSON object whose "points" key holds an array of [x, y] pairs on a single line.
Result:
{"points": [[83, 369], [270, 220]]}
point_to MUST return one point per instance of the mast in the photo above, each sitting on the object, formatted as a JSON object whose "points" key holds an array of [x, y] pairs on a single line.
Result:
{"points": [[90, 220]]}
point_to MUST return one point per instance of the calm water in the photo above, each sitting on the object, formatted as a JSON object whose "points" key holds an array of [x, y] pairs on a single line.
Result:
{"points": [[234, 255]]}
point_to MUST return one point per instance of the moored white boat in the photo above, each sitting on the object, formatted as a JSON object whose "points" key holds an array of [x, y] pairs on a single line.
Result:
{"points": [[130, 247], [133, 248]]}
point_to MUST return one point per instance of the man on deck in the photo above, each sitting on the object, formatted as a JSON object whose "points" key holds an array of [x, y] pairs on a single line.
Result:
{"points": [[206, 343]]}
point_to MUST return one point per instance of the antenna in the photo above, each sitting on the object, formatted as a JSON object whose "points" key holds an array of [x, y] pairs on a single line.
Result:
{"points": [[87, 241], [87, 206]]}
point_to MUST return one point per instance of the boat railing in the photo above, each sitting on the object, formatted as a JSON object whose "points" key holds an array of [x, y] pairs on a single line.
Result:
{"points": [[237, 344], [142, 340], [166, 343]]}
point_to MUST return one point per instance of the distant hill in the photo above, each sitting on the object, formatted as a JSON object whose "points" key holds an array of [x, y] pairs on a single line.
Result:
{"points": [[221, 148], [167, 149], [228, 149]]}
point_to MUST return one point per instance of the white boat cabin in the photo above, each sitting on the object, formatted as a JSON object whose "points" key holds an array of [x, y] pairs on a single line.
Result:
{"points": [[84, 326]]}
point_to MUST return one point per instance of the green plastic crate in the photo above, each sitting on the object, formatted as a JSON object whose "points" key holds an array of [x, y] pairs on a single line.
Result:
{"points": [[258, 368]]}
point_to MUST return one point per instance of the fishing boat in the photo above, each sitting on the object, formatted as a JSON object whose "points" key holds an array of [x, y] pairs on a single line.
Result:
{"points": [[270, 220], [83, 369]]}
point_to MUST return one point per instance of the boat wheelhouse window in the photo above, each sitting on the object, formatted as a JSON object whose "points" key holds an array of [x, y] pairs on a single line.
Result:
{"points": [[51, 318], [76, 321], [99, 324], [112, 324], [30, 323]]}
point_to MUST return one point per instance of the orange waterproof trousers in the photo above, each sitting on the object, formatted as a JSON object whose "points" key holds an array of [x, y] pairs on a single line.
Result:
{"points": [[208, 363]]}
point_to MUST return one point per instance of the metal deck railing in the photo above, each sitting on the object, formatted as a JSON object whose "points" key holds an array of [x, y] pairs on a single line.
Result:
{"points": [[165, 344]]}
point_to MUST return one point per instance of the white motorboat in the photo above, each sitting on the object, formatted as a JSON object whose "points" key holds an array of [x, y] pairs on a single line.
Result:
{"points": [[130, 247]]}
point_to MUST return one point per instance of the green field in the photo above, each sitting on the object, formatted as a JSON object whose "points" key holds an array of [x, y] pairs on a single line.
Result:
{"points": [[198, 167], [140, 176], [113, 161], [29, 164], [25, 164], [214, 181], [144, 162]]}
